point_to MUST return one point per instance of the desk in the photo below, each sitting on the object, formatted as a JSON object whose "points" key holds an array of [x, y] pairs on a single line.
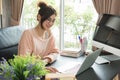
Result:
{"points": [[96, 72]]}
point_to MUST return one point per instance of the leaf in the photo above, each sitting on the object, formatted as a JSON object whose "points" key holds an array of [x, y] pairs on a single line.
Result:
{"points": [[26, 73], [22, 68]]}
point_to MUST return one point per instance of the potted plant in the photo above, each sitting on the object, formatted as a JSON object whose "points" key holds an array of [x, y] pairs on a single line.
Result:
{"points": [[23, 68]]}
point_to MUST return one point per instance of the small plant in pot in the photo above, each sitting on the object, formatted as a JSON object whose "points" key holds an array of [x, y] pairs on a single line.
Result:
{"points": [[23, 68]]}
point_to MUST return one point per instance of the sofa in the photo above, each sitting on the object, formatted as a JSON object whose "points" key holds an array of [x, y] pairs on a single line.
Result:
{"points": [[9, 39]]}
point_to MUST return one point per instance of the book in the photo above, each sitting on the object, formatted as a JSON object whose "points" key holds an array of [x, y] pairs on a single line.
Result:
{"points": [[70, 53], [60, 76]]}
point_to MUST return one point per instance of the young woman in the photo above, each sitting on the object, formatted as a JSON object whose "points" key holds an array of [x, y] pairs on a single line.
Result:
{"points": [[39, 40]]}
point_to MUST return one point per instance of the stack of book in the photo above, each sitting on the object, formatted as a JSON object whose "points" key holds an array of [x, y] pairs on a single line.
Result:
{"points": [[70, 53]]}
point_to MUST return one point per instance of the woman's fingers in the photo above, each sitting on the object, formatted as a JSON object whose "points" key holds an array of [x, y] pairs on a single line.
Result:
{"points": [[52, 69]]}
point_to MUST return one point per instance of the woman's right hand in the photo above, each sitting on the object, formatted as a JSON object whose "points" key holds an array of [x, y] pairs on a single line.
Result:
{"points": [[52, 69]]}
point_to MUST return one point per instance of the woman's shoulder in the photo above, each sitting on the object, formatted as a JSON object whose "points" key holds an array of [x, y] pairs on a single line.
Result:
{"points": [[51, 35], [28, 31]]}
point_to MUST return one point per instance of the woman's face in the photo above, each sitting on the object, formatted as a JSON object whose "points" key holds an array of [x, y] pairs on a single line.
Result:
{"points": [[48, 23]]}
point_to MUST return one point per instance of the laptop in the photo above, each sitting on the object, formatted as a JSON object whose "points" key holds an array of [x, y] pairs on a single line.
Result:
{"points": [[76, 68]]}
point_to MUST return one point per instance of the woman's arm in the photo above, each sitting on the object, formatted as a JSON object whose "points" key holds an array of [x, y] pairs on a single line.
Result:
{"points": [[52, 51], [25, 44]]}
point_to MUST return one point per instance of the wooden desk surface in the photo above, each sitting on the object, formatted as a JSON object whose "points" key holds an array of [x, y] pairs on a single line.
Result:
{"points": [[96, 72]]}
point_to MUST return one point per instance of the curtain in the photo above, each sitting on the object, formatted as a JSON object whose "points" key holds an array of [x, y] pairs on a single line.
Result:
{"points": [[102, 6], [16, 11], [107, 7], [1, 14]]}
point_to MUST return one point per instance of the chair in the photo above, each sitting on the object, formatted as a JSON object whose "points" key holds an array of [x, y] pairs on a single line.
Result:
{"points": [[9, 38]]}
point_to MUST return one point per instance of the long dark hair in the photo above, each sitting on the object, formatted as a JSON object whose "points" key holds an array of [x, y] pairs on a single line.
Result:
{"points": [[45, 11]]}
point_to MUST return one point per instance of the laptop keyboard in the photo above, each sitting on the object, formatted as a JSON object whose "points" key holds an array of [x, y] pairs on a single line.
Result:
{"points": [[111, 57], [101, 60]]}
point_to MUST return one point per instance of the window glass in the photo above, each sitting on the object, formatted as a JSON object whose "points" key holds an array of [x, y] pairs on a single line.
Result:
{"points": [[79, 20]]}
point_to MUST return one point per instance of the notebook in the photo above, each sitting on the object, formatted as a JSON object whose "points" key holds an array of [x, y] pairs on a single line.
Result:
{"points": [[76, 68]]}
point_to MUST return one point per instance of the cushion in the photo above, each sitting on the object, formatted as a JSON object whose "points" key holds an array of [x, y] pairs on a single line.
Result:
{"points": [[9, 39]]}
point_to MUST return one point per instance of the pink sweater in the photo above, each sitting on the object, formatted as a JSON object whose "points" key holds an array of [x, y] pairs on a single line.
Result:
{"points": [[31, 43]]}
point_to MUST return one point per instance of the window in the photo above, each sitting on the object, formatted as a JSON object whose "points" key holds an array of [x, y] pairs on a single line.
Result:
{"points": [[74, 18]]}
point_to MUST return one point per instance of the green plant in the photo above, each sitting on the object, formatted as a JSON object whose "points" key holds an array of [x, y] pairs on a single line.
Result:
{"points": [[23, 68]]}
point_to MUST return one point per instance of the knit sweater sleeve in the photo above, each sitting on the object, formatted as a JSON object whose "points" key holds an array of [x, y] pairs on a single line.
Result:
{"points": [[25, 44], [52, 51]]}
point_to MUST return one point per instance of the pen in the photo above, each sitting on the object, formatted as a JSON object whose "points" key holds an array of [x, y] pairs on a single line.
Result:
{"points": [[80, 39]]}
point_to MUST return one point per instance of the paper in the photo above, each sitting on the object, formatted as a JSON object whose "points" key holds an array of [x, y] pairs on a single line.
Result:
{"points": [[70, 67]]}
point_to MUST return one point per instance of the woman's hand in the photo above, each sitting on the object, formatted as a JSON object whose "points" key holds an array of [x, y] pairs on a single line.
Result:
{"points": [[52, 69], [46, 60]]}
